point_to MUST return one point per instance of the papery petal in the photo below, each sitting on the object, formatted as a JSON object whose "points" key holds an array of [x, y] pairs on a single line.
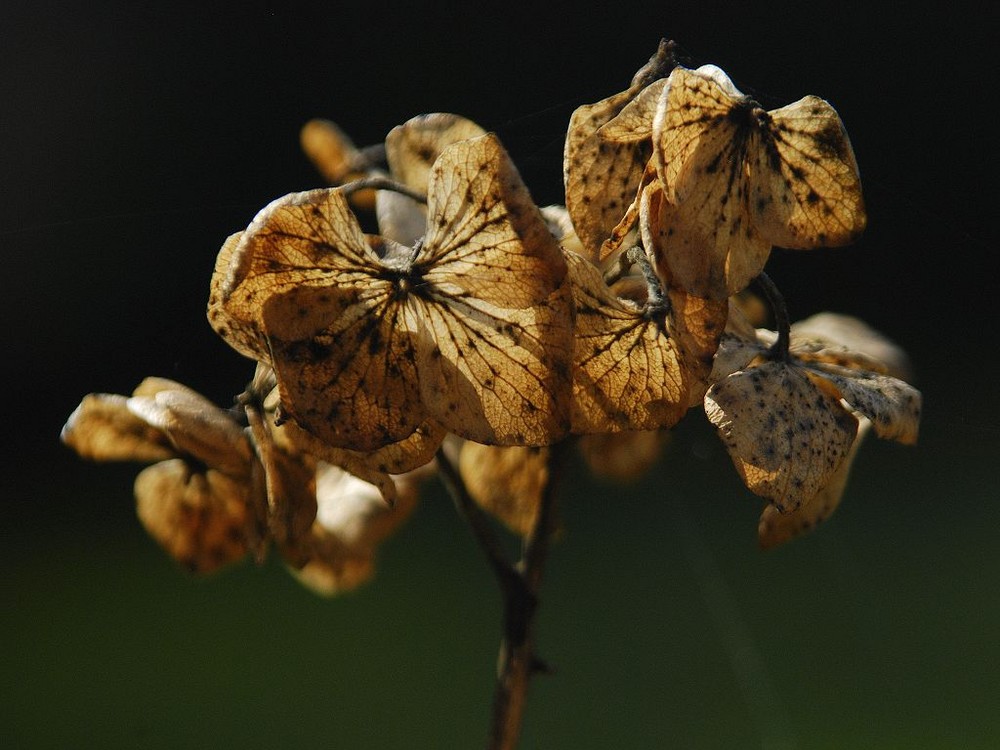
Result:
{"points": [[102, 428], [786, 434]]}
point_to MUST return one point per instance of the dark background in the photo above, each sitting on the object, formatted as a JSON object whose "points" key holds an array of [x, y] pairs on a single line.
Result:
{"points": [[133, 141]]}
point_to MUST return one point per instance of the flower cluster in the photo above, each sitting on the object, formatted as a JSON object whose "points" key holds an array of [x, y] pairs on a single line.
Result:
{"points": [[475, 320]]}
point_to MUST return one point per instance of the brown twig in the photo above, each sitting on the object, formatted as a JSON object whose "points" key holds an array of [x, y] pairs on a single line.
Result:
{"points": [[519, 585], [380, 182], [478, 522]]}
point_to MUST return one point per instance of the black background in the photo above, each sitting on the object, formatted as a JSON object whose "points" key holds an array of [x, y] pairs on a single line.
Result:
{"points": [[134, 140]]}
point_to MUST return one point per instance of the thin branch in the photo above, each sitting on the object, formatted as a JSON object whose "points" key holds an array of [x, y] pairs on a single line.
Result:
{"points": [[380, 182], [479, 523], [519, 584], [536, 547], [517, 662]]}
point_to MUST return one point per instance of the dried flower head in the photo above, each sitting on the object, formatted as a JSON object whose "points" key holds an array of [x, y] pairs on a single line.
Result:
{"points": [[200, 499], [470, 328], [737, 179], [217, 491], [790, 424], [481, 331], [602, 175]]}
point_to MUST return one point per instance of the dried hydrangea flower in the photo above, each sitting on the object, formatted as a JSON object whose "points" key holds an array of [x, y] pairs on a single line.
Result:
{"points": [[789, 424], [470, 329], [216, 491], [201, 497], [737, 179], [601, 176]]}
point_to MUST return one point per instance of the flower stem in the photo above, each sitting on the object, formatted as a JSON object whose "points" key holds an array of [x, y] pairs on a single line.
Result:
{"points": [[378, 182], [519, 584], [779, 351], [479, 523], [657, 303], [517, 662]]}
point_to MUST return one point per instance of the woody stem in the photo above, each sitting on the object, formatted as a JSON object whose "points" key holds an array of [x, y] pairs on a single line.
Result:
{"points": [[479, 523], [519, 584]]}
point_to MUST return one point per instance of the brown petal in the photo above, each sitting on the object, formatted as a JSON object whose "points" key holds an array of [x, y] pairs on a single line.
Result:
{"points": [[892, 405], [201, 518], [102, 428], [775, 528], [506, 482], [786, 434]]}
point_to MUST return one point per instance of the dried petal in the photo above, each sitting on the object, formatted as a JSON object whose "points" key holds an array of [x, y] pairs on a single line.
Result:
{"points": [[102, 428], [500, 378], [289, 480], [776, 528], [201, 518], [494, 357], [785, 432], [635, 121], [299, 241], [892, 405], [197, 428], [697, 324], [351, 521], [374, 467], [623, 456], [332, 151], [350, 375], [400, 218], [561, 226], [336, 157], [412, 148], [506, 481], [702, 244], [236, 323], [738, 180], [856, 336], [735, 353], [485, 237], [628, 371], [602, 176]]}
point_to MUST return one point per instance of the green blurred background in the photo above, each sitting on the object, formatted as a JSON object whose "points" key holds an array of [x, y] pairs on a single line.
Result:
{"points": [[133, 141]]}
